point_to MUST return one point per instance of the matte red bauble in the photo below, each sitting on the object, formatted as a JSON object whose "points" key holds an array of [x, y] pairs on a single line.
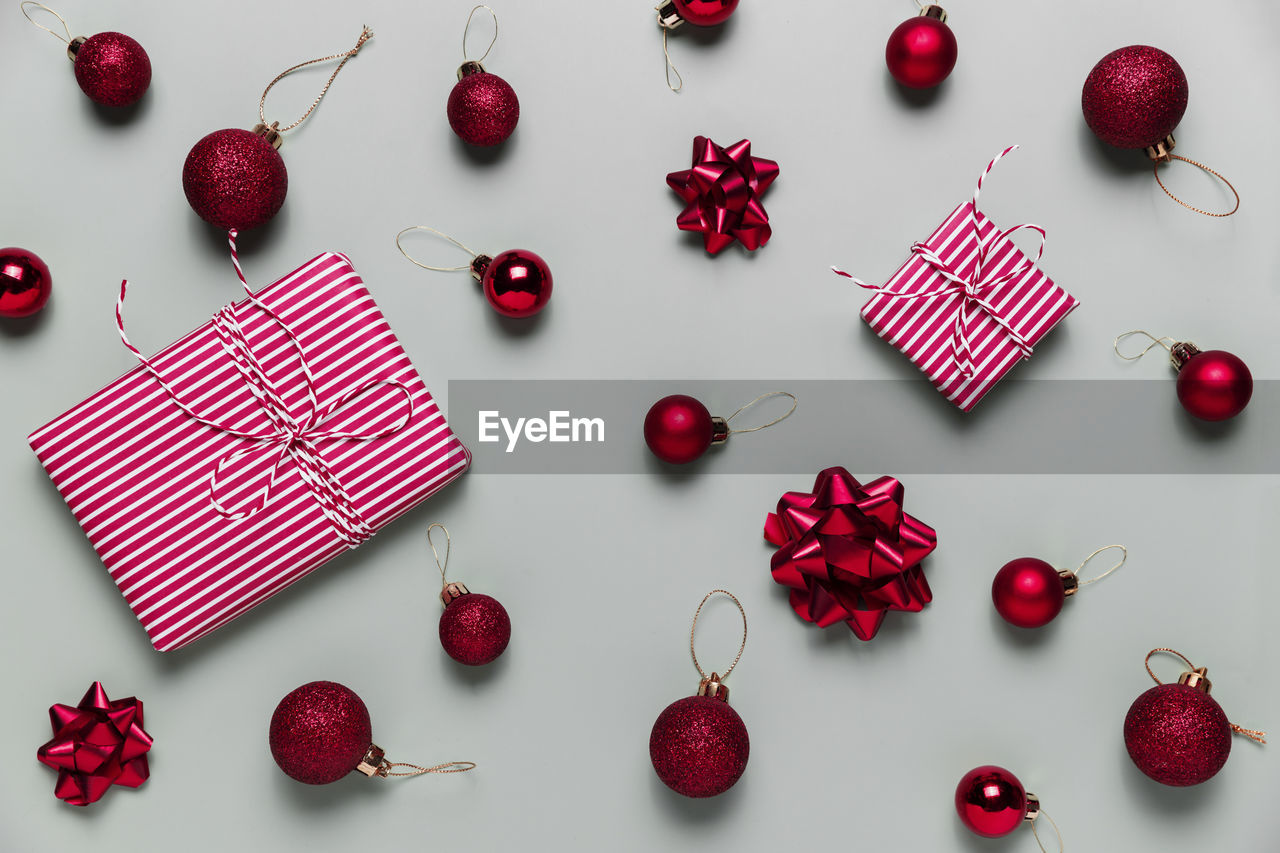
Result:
{"points": [[517, 282], [320, 732], [991, 801], [235, 178], [922, 51], [1213, 385], [1134, 97], [703, 13], [1028, 592], [679, 429], [25, 283], [483, 108], [111, 68]]}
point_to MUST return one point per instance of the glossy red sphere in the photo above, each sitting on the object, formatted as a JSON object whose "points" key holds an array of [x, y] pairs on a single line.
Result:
{"points": [[113, 69], [234, 179], [678, 429], [699, 746], [320, 732], [991, 801], [517, 283], [1028, 592], [1214, 385], [1177, 735], [25, 283], [475, 629], [921, 52], [483, 109], [1134, 96], [705, 13]]}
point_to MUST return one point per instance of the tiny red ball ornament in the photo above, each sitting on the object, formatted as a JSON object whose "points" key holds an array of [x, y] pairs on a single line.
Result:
{"points": [[1213, 385], [320, 732], [474, 629], [1134, 97], [25, 283], [483, 109], [111, 68], [517, 282], [704, 13], [699, 746], [236, 178], [1028, 592], [991, 802], [922, 51], [679, 429]]}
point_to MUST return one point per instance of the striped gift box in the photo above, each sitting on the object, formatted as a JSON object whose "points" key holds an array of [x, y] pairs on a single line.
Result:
{"points": [[196, 524], [968, 304]]}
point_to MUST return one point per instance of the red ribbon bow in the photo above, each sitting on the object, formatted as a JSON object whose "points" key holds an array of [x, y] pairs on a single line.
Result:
{"points": [[849, 553], [723, 192], [96, 744]]}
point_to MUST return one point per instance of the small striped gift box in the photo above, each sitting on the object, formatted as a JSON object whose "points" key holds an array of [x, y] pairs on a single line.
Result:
{"points": [[968, 304], [244, 456]]}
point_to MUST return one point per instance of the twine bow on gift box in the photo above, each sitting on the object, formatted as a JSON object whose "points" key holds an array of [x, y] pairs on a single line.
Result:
{"points": [[288, 437], [979, 288]]}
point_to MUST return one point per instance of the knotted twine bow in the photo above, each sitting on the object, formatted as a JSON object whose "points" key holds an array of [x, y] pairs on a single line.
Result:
{"points": [[978, 288], [288, 438]]}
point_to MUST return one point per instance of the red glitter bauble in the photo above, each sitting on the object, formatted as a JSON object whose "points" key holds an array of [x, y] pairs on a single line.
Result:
{"points": [[705, 13], [517, 283], [483, 109], [1214, 385], [921, 52], [1028, 592], [1134, 97], [1177, 735], [991, 801], [699, 746], [112, 69], [678, 429], [320, 732], [25, 283], [474, 629], [235, 179]]}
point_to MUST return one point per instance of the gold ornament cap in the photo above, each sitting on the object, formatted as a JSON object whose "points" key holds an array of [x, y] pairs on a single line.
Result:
{"points": [[668, 16], [938, 13], [1197, 678], [1033, 807], [1162, 150], [719, 430], [1070, 583], [270, 134], [470, 67], [1182, 352], [713, 688], [452, 592], [73, 47], [373, 760]]}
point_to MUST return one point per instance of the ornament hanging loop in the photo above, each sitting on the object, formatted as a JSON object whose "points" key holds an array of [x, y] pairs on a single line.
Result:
{"points": [[774, 422], [1162, 152], [365, 35], [448, 548], [671, 66], [414, 260], [467, 29], [1163, 341], [692, 631], [387, 768], [1041, 814], [1175, 653], [23, 6], [1124, 556]]}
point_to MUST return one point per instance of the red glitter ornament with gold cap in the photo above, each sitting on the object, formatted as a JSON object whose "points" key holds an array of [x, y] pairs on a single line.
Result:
{"points": [[474, 629], [483, 109], [111, 68]]}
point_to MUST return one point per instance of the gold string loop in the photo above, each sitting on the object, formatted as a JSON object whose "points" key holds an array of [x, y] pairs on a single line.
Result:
{"points": [[467, 28], [1061, 844], [1124, 556], [1168, 158], [1252, 734], [775, 421], [414, 260], [1163, 341], [23, 6], [448, 548], [694, 629], [671, 66], [387, 768], [365, 35]]}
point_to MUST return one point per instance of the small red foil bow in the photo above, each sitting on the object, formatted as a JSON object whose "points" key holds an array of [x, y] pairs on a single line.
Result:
{"points": [[722, 192], [849, 553], [96, 744]]}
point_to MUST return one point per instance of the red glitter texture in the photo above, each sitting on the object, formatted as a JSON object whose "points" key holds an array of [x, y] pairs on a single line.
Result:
{"points": [[1177, 735], [483, 109], [235, 179], [475, 629], [320, 732], [1135, 96], [699, 746], [113, 69]]}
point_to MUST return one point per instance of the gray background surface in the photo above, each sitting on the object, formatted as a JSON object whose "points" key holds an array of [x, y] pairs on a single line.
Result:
{"points": [[857, 745]]}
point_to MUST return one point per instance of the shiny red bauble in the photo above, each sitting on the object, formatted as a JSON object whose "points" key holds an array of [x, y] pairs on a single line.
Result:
{"points": [[678, 429], [474, 629], [320, 732], [517, 283], [705, 13], [699, 746], [25, 283], [1028, 592], [921, 52], [1177, 734], [991, 801], [1214, 385], [235, 179], [1134, 97], [112, 69], [483, 108]]}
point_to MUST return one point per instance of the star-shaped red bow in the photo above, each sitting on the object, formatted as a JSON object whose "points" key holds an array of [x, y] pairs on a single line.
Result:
{"points": [[96, 744], [723, 192]]}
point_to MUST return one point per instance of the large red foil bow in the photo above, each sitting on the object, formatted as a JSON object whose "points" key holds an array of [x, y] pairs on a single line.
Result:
{"points": [[96, 744], [849, 553], [722, 192]]}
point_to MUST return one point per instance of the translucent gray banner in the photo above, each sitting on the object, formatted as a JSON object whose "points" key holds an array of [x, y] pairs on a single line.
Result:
{"points": [[882, 426]]}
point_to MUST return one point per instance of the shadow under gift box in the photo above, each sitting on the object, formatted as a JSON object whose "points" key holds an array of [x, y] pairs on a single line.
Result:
{"points": [[320, 436]]}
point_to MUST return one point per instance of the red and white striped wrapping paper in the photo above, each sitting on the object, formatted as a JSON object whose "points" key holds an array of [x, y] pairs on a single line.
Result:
{"points": [[923, 328], [135, 470]]}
